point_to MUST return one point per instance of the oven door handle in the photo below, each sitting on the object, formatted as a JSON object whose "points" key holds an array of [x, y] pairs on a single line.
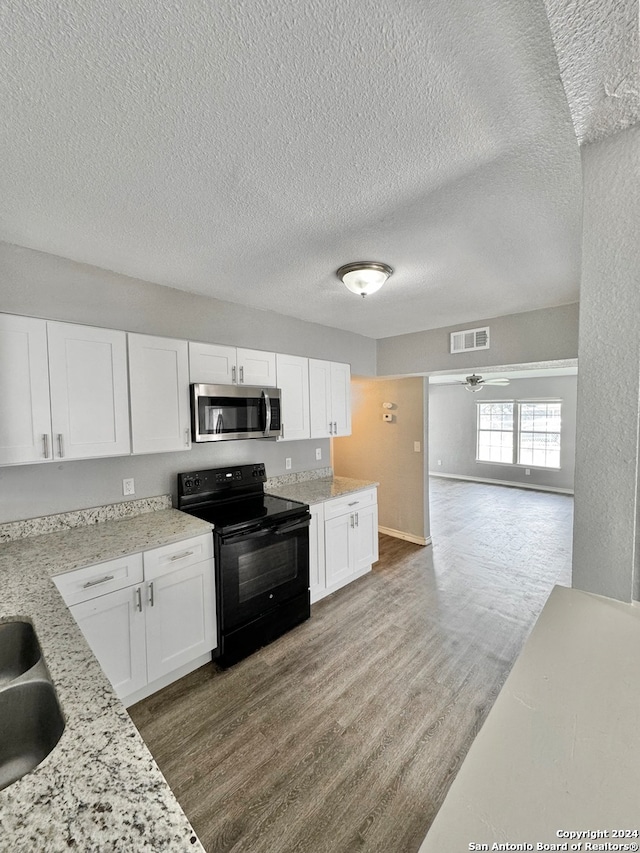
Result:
{"points": [[298, 524], [253, 533]]}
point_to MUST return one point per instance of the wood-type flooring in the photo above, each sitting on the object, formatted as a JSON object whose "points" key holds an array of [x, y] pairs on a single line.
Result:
{"points": [[344, 735]]}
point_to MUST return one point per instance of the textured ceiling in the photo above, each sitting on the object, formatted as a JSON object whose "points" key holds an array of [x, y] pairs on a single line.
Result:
{"points": [[245, 150]]}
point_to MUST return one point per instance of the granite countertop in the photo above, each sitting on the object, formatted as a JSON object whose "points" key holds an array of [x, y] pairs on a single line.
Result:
{"points": [[321, 489], [99, 789]]}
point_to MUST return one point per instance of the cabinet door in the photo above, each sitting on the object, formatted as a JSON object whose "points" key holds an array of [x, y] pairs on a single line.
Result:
{"points": [[212, 364], [317, 582], [320, 398], [256, 368], [341, 398], [114, 627], [25, 418], [293, 380], [339, 550], [159, 379], [89, 393], [365, 535], [181, 623]]}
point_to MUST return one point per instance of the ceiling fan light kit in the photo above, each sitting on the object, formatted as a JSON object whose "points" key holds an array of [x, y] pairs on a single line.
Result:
{"points": [[364, 277]]}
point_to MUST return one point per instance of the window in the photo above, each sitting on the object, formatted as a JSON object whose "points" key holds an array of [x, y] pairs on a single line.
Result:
{"points": [[539, 434], [495, 432], [519, 432]]}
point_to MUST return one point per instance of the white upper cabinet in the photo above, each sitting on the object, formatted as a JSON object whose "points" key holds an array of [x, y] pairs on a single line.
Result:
{"points": [[159, 382], [292, 374], [25, 417], [89, 394], [330, 398], [214, 364]]}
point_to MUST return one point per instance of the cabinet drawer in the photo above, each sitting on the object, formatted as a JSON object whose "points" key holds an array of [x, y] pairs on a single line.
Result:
{"points": [[92, 581], [178, 555], [349, 503]]}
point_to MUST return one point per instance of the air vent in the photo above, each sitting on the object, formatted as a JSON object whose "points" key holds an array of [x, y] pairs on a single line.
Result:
{"points": [[470, 339]]}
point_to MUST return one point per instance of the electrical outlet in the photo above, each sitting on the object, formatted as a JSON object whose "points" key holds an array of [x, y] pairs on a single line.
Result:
{"points": [[287, 463], [527, 471], [128, 487], [439, 461], [416, 446], [318, 453]]}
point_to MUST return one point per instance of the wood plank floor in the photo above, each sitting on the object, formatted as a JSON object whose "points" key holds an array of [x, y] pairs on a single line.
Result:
{"points": [[345, 734]]}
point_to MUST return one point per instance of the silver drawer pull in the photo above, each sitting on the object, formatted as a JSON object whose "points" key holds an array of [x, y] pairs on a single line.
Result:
{"points": [[181, 556], [45, 445], [60, 445], [354, 503], [100, 580], [138, 599], [151, 598]]}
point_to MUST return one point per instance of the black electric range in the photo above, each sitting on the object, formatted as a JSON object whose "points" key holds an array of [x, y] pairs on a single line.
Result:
{"points": [[261, 549]]}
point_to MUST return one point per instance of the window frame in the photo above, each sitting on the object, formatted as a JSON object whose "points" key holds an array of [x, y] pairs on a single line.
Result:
{"points": [[516, 431]]}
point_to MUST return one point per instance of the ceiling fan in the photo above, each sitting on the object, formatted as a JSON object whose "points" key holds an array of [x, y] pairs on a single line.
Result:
{"points": [[476, 383]]}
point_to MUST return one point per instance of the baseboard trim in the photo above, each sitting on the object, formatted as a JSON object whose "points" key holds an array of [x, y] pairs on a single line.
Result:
{"points": [[511, 483], [408, 537]]}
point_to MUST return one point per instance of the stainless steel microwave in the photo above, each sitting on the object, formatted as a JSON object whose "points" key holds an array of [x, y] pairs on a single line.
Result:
{"points": [[222, 412]]}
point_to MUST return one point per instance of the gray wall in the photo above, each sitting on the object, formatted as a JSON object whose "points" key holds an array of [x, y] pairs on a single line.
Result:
{"points": [[535, 336], [605, 548], [41, 285], [384, 451], [452, 431]]}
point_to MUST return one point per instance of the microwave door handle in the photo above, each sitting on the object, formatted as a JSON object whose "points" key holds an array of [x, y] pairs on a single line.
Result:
{"points": [[267, 418]]}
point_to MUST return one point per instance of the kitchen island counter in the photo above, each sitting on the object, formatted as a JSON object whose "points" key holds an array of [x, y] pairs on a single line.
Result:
{"points": [[99, 789]]}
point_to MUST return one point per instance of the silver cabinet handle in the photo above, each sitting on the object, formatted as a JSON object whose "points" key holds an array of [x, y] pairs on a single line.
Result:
{"points": [[181, 556], [186, 437], [354, 503], [60, 445], [100, 580], [233, 373], [352, 520], [45, 445], [330, 428], [151, 598], [357, 521], [241, 374], [138, 599], [335, 427]]}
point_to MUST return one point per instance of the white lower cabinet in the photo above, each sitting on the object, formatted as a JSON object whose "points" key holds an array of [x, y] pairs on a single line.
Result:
{"points": [[350, 543], [148, 618]]}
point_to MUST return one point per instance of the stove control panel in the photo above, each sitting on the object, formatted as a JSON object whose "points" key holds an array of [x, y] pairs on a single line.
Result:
{"points": [[218, 479]]}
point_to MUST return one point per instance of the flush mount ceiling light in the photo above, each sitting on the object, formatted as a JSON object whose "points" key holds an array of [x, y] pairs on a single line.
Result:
{"points": [[364, 277]]}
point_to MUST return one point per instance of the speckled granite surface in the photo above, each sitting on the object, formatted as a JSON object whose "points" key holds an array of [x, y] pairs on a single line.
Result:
{"points": [[297, 477], [99, 789], [81, 517], [322, 489]]}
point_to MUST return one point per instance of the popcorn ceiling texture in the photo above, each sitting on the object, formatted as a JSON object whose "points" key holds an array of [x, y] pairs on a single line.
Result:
{"points": [[245, 150], [598, 47]]}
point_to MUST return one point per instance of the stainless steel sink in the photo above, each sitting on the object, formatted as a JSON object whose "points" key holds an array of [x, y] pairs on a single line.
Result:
{"points": [[31, 724], [19, 650], [31, 721]]}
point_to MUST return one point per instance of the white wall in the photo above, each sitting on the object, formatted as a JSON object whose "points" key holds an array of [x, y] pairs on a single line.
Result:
{"points": [[534, 336], [385, 451], [605, 547], [452, 431], [41, 285]]}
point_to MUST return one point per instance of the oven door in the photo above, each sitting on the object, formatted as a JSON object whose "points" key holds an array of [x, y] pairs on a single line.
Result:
{"points": [[220, 412], [260, 568]]}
